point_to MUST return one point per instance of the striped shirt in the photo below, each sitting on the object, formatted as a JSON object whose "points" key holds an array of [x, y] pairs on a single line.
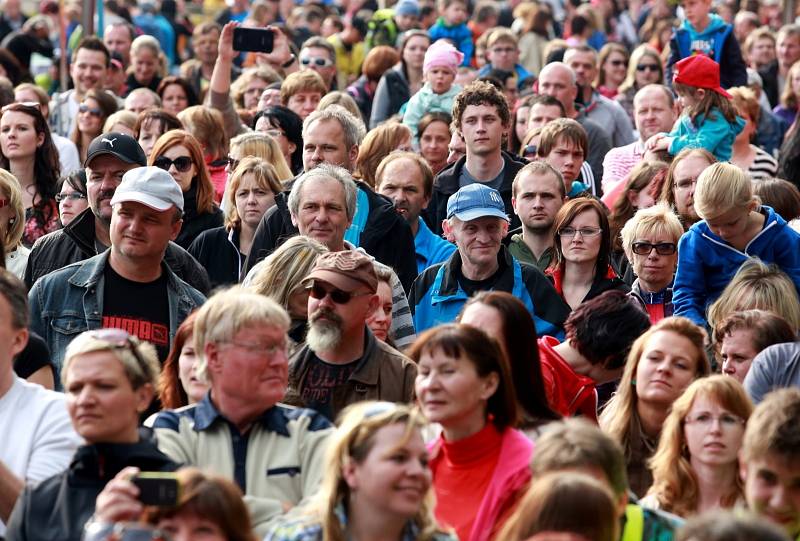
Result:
{"points": [[763, 167]]}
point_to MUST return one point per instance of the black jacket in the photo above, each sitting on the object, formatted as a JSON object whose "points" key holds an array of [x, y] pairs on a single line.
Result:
{"points": [[390, 95], [75, 242], [195, 223], [218, 252], [387, 236], [446, 184], [769, 78], [59, 507]]}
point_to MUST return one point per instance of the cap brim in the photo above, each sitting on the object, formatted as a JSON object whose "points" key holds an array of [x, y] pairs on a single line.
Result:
{"points": [[146, 200], [345, 283], [723, 92], [103, 152], [474, 214]]}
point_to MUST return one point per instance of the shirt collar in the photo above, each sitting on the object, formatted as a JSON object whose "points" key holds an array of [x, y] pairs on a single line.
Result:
{"points": [[206, 414]]}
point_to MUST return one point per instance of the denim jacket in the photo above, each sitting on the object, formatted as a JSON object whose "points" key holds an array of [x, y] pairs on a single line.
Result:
{"points": [[69, 301]]}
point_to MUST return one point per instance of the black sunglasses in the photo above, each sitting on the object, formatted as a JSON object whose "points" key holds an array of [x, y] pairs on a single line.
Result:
{"points": [[316, 60], [182, 164], [662, 248], [649, 67], [94, 111], [233, 163], [529, 151], [618, 62], [338, 296]]}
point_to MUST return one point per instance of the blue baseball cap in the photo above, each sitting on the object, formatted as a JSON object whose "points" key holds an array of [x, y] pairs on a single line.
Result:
{"points": [[476, 201]]}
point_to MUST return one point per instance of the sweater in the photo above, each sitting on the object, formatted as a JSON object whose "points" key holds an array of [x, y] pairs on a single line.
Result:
{"points": [[427, 101], [713, 133]]}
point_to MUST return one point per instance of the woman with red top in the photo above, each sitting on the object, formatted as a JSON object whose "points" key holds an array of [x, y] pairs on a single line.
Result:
{"points": [[581, 268], [480, 461]]}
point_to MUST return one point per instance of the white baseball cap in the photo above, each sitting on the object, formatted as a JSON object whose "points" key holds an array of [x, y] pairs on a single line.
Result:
{"points": [[150, 186]]}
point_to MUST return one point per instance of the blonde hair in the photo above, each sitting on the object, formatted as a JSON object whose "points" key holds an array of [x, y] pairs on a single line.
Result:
{"points": [[265, 147], [656, 220], [265, 177], [553, 502], [674, 480], [139, 372], [757, 285], [722, 187], [208, 127], [343, 99], [124, 117], [226, 313], [636, 56], [282, 273], [353, 441], [11, 188], [378, 143], [788, 98], [238, 87], [151, 43], [615, 420]]}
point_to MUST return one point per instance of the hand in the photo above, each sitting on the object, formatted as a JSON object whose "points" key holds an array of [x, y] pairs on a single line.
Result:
{"points": [[651, 143], [662, 144], [280, 48], [226, 52], [119, 500]]}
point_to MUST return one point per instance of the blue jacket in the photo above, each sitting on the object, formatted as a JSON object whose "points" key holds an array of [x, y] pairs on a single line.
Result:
{"points": [[460, 35], [437, 297], [713, 133], [69, 301], [431, 249], [706, 263], [519, 70]]}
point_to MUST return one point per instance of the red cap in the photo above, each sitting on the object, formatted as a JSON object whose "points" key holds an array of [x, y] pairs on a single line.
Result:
{"points": [[699, 71]]}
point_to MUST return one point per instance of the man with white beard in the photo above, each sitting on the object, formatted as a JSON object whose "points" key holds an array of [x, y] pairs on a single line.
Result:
{"points": [[341, 361]]}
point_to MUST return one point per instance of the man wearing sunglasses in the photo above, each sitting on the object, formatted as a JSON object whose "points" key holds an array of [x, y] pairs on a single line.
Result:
{"points": [[127, 286], [109, 157], [342, 362], [654, 112], [37, 437], [319, 55]]}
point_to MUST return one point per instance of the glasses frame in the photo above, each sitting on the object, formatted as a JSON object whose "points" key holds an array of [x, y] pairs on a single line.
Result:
{"points": [[337, 295], [585, 232], [661, 248], [74, 196], [161, 161]]}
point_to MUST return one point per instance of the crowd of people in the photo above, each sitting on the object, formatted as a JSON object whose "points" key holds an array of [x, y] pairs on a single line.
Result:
{"points": [[495, 270]]}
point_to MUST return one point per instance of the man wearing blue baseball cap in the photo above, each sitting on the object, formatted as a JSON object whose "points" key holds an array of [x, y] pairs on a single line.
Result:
{"points": [[477, 223]]}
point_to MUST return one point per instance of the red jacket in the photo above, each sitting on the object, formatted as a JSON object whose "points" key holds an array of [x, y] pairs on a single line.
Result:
{"points": [[568, 393]]}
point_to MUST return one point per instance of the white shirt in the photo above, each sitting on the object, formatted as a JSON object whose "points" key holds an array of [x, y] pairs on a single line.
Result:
{"points": [[37, 439], [67, 154]]}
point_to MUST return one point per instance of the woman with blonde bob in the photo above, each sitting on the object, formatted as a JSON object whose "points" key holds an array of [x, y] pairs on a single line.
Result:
{"points": [[261, 146], [553, 503], [696, 467], [734, 229], [661, 364], [12, 224], [757, 285], [280, 277], [179, 153], [377, 450], [377, 144], [250, 193]]}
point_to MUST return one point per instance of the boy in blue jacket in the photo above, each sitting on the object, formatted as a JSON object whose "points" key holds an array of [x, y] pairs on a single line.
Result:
{"points": [[705, 33], [452, 26], [734, 228]]}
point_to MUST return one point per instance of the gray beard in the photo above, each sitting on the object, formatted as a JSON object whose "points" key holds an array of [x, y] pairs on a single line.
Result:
{"points": [[323, 336]]}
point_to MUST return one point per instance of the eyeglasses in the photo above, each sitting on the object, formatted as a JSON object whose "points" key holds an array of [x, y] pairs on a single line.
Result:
{"points": [[662, 248], [726, 420], [529, 151], [119, 339], [319, 61], [74, 196], [94, 111], [258, 349], [584, 231], [618, 62], [338, 296], [233, 163], [274, 133], [647, 67], [182, 164]]}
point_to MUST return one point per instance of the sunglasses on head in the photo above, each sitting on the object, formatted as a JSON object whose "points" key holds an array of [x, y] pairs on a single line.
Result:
{"points": [[182, 163], [94, 111], [646, 67], [317, 61], [118, 339], [662, 248], [319, 292], [27, 104]]}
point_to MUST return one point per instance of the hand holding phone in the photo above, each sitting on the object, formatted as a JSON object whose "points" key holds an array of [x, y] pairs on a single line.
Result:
{"points": [[157, 488], [257, 40]]}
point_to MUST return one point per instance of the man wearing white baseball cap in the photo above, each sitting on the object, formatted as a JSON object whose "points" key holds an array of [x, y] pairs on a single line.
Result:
{"points": [[128, 286]]}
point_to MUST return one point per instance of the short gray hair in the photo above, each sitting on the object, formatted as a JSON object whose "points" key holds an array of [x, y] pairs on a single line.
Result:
{"points": [[353, 128], [326, 170], [226, 313]]}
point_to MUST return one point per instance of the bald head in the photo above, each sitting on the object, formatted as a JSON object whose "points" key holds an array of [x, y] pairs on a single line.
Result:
{"points": [[558, 80], [654, 110]]}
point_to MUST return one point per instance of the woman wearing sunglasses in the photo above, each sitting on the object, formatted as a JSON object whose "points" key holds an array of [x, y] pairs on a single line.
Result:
{"points": [[27, 151], [645, 68], [94, 110], [178, 152], [377, 482], [650, 241], [613, 62], [109, 378], [581, 269]]}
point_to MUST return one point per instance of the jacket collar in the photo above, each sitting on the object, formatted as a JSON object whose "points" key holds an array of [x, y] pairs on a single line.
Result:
{"points": [[447, 181], [82, 231], [452, 272], [91, 270], [367, 371], [105, 460], [206, 414]]}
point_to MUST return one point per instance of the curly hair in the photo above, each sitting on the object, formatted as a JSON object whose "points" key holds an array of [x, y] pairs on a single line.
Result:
{"points": [[480, 93]]}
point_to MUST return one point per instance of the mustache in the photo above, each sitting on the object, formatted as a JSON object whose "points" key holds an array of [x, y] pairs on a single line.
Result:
{"points": [[326, 313], [105, 194]]}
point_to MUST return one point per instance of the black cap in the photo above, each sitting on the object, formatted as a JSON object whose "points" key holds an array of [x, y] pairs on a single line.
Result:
{"points": [[119, 145]]}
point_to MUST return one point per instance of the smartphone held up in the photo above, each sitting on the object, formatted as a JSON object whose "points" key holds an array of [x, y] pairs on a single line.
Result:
{"points": [[257, 40]]}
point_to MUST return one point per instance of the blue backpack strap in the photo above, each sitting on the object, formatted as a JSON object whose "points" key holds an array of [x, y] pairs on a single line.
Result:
{"points": [[353, 233], [684, 41], [722, 36]]}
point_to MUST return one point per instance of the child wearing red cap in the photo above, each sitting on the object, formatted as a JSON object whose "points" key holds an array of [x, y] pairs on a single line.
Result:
{"points": [[708, 119]]}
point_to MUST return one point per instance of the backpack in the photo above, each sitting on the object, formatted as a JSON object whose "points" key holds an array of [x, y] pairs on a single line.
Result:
{"points": [[381, 29], [684, 40]]}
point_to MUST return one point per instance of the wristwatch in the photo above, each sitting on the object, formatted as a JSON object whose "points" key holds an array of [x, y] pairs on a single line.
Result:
{"points": [[289, 62]]}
